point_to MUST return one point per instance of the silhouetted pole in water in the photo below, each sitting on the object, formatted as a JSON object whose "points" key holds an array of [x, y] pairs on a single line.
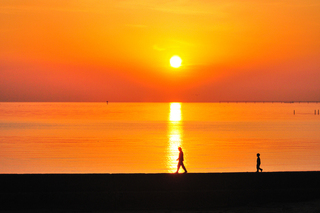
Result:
{"points": [[180, 163], [258, 163], [294, 112]]}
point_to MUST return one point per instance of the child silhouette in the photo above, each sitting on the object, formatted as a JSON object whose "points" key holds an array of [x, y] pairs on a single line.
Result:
{"points": [[258, 163]]}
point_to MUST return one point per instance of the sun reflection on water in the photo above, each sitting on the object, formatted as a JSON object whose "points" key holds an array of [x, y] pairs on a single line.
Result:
{"points": [[174, 135], [175, 112]]}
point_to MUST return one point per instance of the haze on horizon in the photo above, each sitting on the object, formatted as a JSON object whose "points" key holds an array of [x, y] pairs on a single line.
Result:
{"points": [[97, 50]]}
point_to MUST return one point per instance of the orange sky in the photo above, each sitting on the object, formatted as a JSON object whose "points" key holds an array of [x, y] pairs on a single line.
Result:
{"points": [[98, 50]]}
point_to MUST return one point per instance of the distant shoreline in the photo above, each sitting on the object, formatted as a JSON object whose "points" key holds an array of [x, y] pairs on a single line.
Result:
{"points": [[194, 191], [110, 102]]}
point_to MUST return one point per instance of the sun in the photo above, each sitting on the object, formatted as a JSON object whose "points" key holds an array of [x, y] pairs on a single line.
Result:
{"points": [[175, 61]]}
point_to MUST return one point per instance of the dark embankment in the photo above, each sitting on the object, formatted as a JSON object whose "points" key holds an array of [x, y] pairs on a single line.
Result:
{"points": [[154, 191]]}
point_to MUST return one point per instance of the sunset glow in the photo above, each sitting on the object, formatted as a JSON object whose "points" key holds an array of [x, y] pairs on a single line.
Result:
{"points": [[120, 50]]}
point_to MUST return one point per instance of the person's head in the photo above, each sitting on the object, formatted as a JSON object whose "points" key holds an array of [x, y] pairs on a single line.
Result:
{"points": [[258, 155], [179, 148]]}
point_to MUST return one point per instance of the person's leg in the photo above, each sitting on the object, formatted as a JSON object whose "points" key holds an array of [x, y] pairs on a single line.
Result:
{"points": [[178, 167], [184, 168]]}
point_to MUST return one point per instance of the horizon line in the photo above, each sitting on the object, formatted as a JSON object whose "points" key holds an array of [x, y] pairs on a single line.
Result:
{"points": [[159, 101]]}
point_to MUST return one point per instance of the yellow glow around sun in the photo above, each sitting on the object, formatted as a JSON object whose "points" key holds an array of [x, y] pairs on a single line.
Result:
{"points": [[175, 61]]}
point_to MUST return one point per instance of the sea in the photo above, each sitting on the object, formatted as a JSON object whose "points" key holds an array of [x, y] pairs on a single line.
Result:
{"points": [[111, 137]]}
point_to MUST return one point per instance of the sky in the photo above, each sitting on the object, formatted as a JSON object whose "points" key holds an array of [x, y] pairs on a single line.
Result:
{"points": [[104, 50]]}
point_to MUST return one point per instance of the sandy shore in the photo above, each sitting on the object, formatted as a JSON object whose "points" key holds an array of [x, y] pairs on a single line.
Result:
{"points": [[214, 192], [312, 206]]}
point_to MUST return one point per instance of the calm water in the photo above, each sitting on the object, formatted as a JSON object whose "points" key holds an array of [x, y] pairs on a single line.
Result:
{"points": [[144, 137]]}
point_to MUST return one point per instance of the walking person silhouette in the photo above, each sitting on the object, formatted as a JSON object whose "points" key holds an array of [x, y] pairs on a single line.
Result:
{"points": [[258, 163], [180, 163]]}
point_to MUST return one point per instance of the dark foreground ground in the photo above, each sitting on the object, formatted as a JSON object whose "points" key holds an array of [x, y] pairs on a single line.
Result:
{"points": [[215, 192]]}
